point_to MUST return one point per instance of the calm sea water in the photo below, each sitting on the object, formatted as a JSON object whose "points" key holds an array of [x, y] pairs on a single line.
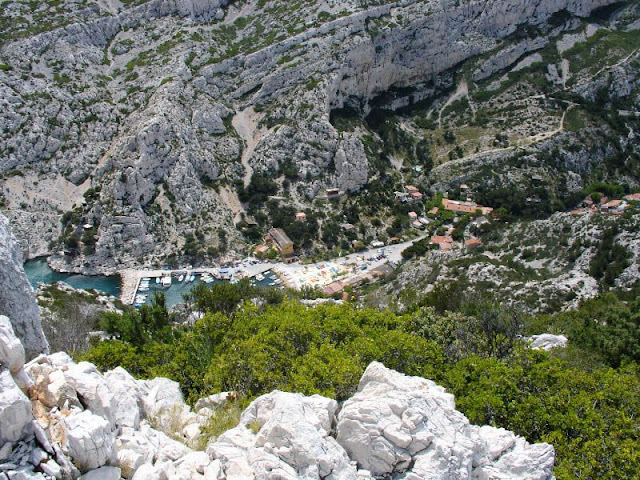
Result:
{"points": [[38, 270], [173, 294]]}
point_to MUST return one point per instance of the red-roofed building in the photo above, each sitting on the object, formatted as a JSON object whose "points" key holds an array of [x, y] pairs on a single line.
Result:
{"points": [[634, 197], [411, 189], [472, 243], [438, 239]]}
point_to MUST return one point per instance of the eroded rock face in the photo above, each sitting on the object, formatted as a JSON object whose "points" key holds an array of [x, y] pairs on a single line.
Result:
{"points": [[17, 300], [284, 434], [165, 133], [15, 410], [404, 425]]}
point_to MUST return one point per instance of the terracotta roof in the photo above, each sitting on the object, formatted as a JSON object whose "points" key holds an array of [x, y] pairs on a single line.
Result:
{"points": [[473, 242], [633, 197], [438, 239]]}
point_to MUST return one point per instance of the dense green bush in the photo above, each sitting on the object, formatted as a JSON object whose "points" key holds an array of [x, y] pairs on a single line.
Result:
{"points": [[587, 410]]}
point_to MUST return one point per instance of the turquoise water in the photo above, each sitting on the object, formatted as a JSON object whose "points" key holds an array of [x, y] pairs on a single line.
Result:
{"points": [[173, 294], [38, 270]]}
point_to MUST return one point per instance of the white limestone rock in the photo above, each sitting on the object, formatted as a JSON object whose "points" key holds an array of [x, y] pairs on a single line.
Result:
{"points": [[17, 300], [352, 166], [89, 440], [11, 350], [547, 341], [397, 424], [126, 393], [102, 473], [214, 401], [15, 411], [293, 440], [50, 385]]}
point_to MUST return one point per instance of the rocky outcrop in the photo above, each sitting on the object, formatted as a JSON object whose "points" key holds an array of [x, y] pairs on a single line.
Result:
{"points": [[547, 341], [17, 299], [394, 427], [404, 425]]}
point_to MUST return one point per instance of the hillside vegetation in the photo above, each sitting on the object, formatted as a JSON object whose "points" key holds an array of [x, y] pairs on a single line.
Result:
{"points": [[583, 398]]}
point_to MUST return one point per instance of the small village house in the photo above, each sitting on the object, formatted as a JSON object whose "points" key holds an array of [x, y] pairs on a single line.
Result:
{"points": [[472, 243], [281, 242]]}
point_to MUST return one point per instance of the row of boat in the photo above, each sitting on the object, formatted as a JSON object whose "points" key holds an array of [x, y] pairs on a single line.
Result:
{"points": [[224, 274]]}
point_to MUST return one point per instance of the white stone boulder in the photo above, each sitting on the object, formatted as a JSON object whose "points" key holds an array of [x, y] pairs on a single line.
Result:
{"points": [[102, 473], [547, 341], [50, 385], [126, 393], [92, 390], [397, 424], [286, 435], [11, 350], [89, 440], [214, 401], [15, 411]]}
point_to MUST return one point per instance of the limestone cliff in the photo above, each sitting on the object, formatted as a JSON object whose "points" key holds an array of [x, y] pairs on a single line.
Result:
{"points": [[108, 109], [17, 299]]}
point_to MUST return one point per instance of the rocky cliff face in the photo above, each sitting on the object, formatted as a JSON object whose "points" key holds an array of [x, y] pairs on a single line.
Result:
{"points": [[131, 116], [17, 298]]}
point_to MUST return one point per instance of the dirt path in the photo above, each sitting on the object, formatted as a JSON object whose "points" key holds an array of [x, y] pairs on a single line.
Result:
{"points": [[461, 91], [245, 124]]}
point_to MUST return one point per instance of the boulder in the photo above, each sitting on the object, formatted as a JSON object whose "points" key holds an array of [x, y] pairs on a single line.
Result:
{"points": [[92, 390], [547, 341], [396, 424], [102, 473], [11, 350], [127, 396], [17, 300], [214, 401], [285, 433], [89, 441], [15, 411]]}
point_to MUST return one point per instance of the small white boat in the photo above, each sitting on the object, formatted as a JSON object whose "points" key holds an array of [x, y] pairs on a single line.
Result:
{"points": [[271, 284], [277, 281], [166, 281], [181, 278], [233, 281], [157, 279], [259, 277]]}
